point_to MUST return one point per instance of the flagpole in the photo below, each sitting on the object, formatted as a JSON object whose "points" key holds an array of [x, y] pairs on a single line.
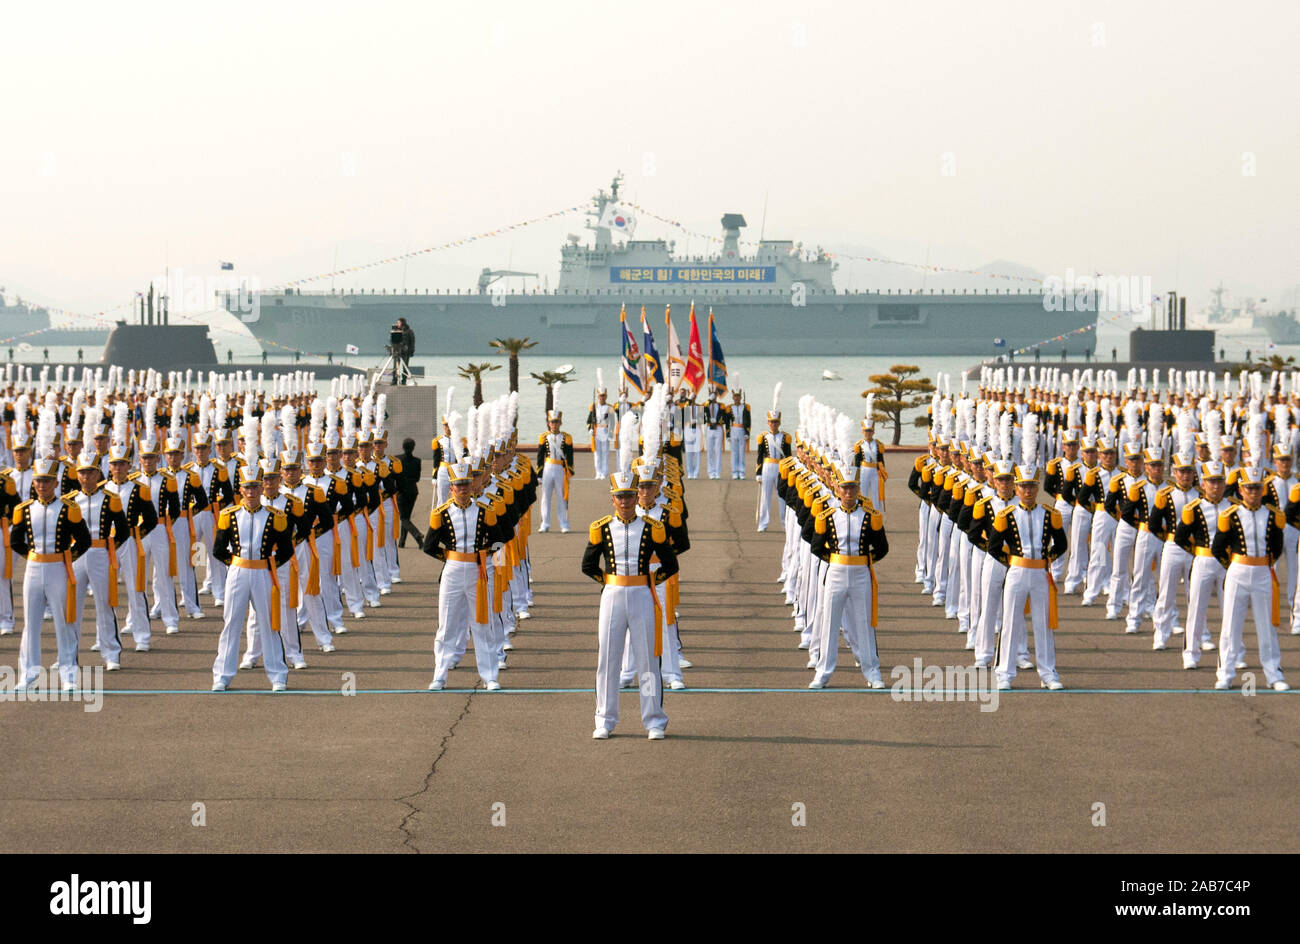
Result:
{"points": [[668, 348], [710, 373]]}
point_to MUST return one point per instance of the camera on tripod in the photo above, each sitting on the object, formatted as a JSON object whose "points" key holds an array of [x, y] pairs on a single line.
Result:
{"points": [[396, 341]]}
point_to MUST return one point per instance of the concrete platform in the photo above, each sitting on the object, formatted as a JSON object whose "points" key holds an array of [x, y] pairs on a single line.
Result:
{"points": [[1177, 766]]}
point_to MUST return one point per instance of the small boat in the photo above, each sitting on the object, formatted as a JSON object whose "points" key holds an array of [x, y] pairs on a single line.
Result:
{"points": [[830, 375]]}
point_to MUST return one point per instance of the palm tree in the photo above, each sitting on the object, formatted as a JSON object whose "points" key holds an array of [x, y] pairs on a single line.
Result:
{"points": [[474, 372], [512, 347], [546, 378]]}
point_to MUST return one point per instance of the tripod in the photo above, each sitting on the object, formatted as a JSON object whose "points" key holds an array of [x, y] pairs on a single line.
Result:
{"points": [[401, 371]]}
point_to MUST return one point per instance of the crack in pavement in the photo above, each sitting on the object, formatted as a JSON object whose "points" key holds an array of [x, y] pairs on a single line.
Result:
{"points": [[408, 837], [1263, 719]]}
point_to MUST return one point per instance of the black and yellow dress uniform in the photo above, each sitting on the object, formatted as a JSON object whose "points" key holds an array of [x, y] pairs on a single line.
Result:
{"points": [[51, 535], [463, 537], [772, 448], [555, 468], [97, 569], [253, 543], [1194, 535], [1026, 541], [618, 556], [8, 502], [1248, 543], [850, 540]]}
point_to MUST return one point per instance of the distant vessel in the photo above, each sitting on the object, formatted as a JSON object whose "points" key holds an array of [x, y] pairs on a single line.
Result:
{"points": [[781, 300], [22, 320]]}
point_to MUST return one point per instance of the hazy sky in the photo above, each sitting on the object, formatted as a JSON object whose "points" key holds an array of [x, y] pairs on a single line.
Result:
{"points": [[1137, 138]]}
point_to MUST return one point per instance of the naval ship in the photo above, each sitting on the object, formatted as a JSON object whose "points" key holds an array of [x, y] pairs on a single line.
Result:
{"points": [[781, 299], [23, 321]]}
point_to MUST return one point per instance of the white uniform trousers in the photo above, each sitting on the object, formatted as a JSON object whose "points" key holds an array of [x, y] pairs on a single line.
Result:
{"points": [[713, 444], [553, 489], [991, 587], [627, 617], [922, 529], [978, 561], [185, 576], [46, 585], [964, 549], [601, 457], [457, 599], [1121, 564], [1142, 591], [247, 587], [350, 576], [7, 588], [767, 487], [1067, 519], [1025, 583], [691, 444], [380, 577], [443, 485], [205, 533], [952, 570], [789, 524], [670, 663], [932, 555], [368, 570], [812, 606], [391, 515], [1175, 567], [331, 595], [157, 557], [137, 605], [1100, 556], [1289, 538], [1248, 587], [519, 588], [738, 452], [290, 638], [846, 603], [1080, 535], [91, 570], [311, 606], [870, 485], [1206, 580]]}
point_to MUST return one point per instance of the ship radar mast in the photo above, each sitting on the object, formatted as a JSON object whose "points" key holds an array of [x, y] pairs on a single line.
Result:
{"points": [[600, 201]]}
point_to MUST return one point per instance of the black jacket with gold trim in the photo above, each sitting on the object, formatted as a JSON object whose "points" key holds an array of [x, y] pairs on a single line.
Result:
{"points": [[598, 558], [112, 519], [489, 531], [1230, 536], [544, 452], [1004, 539], [139, 507], [277, 538], [821, 534], [70, 532], [1193, 529], [763, 451]]}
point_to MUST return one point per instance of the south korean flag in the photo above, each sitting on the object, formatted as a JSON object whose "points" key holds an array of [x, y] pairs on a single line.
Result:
{"points": [[619, 219]]}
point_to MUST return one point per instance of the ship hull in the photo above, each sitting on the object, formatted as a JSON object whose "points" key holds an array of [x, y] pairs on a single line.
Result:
{"points": [[852, 324]]}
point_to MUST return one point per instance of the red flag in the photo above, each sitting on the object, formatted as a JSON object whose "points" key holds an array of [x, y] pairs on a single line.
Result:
{"points": [[694, 376]]}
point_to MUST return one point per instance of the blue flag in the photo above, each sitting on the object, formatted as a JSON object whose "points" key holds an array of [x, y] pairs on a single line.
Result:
{"points": [[227, 266], [653, 369], [999, 342], [717, 362], [632, 364]]}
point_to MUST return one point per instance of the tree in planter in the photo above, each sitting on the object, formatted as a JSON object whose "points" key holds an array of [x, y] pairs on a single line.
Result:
{"points": [[511, 347], [475, 373], [898, 391]]}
